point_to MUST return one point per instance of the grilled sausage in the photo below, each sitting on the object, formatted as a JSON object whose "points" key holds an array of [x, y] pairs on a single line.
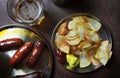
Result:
{"points": [[10, 43], [35, 54], [20, 54], [31, 75]]}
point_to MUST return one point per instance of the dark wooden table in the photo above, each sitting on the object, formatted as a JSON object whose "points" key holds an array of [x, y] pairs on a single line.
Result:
{"points": [[107, 10]]}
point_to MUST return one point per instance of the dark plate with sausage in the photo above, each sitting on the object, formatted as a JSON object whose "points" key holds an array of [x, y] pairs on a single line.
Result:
{"points": [[24, 53]]}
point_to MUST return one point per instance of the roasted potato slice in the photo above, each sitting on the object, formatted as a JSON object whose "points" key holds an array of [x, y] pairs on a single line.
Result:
{"points": [[59, 40], [75, 41], [63, 29], [90, 54], [94, 24], [81, 31], [103, 48], [94, 37], [75, 50], [62, 44], [84, 44], [72, 24], [103, 52], [84, 19], [72, 38], [65, 47], [95, 61], [72, 34], [84, 62]]}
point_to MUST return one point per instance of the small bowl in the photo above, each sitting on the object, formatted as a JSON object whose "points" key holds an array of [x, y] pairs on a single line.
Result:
{"points": [[103, 32], [25, 11], [26, 33]]}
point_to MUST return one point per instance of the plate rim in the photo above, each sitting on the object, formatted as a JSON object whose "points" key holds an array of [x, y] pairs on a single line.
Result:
{"points": [[33, 29], [104, 26]]}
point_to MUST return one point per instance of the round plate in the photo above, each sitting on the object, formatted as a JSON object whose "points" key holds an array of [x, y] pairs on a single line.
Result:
{"points": [[104, 34], [26, 33]]}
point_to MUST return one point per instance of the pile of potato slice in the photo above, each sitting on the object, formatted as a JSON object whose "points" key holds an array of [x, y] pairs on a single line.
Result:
{"points": [[80, 37]]}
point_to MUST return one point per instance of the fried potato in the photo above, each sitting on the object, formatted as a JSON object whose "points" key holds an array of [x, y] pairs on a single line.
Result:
{"points": [[103, 48], [94, 37], [75, 41], [62, 44], [80, 37], [72, 34], [81, 31], [84, 44], [103, 52], [94, 24], [90, 54], [63, 29], [84, 19], [75, 50], [95, 61], [59, 40], [65, 47], [84, 62], [72, 24]]}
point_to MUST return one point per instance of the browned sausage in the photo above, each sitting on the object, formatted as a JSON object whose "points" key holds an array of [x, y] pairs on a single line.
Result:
{"points": [[31, 75], [20, 54], [10, 43], [35, 54]]}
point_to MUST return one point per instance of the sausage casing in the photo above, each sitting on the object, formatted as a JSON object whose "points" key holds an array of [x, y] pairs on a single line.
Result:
{"points": [[38, 48], [11, 43], [31, 75], [20, 54]]}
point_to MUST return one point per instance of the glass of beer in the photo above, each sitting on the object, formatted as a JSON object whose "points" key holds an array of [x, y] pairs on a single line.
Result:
{"points": [[26, 11]]}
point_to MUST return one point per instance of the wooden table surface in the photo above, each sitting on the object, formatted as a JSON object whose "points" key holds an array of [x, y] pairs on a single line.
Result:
{"points": [[106, 10]]}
